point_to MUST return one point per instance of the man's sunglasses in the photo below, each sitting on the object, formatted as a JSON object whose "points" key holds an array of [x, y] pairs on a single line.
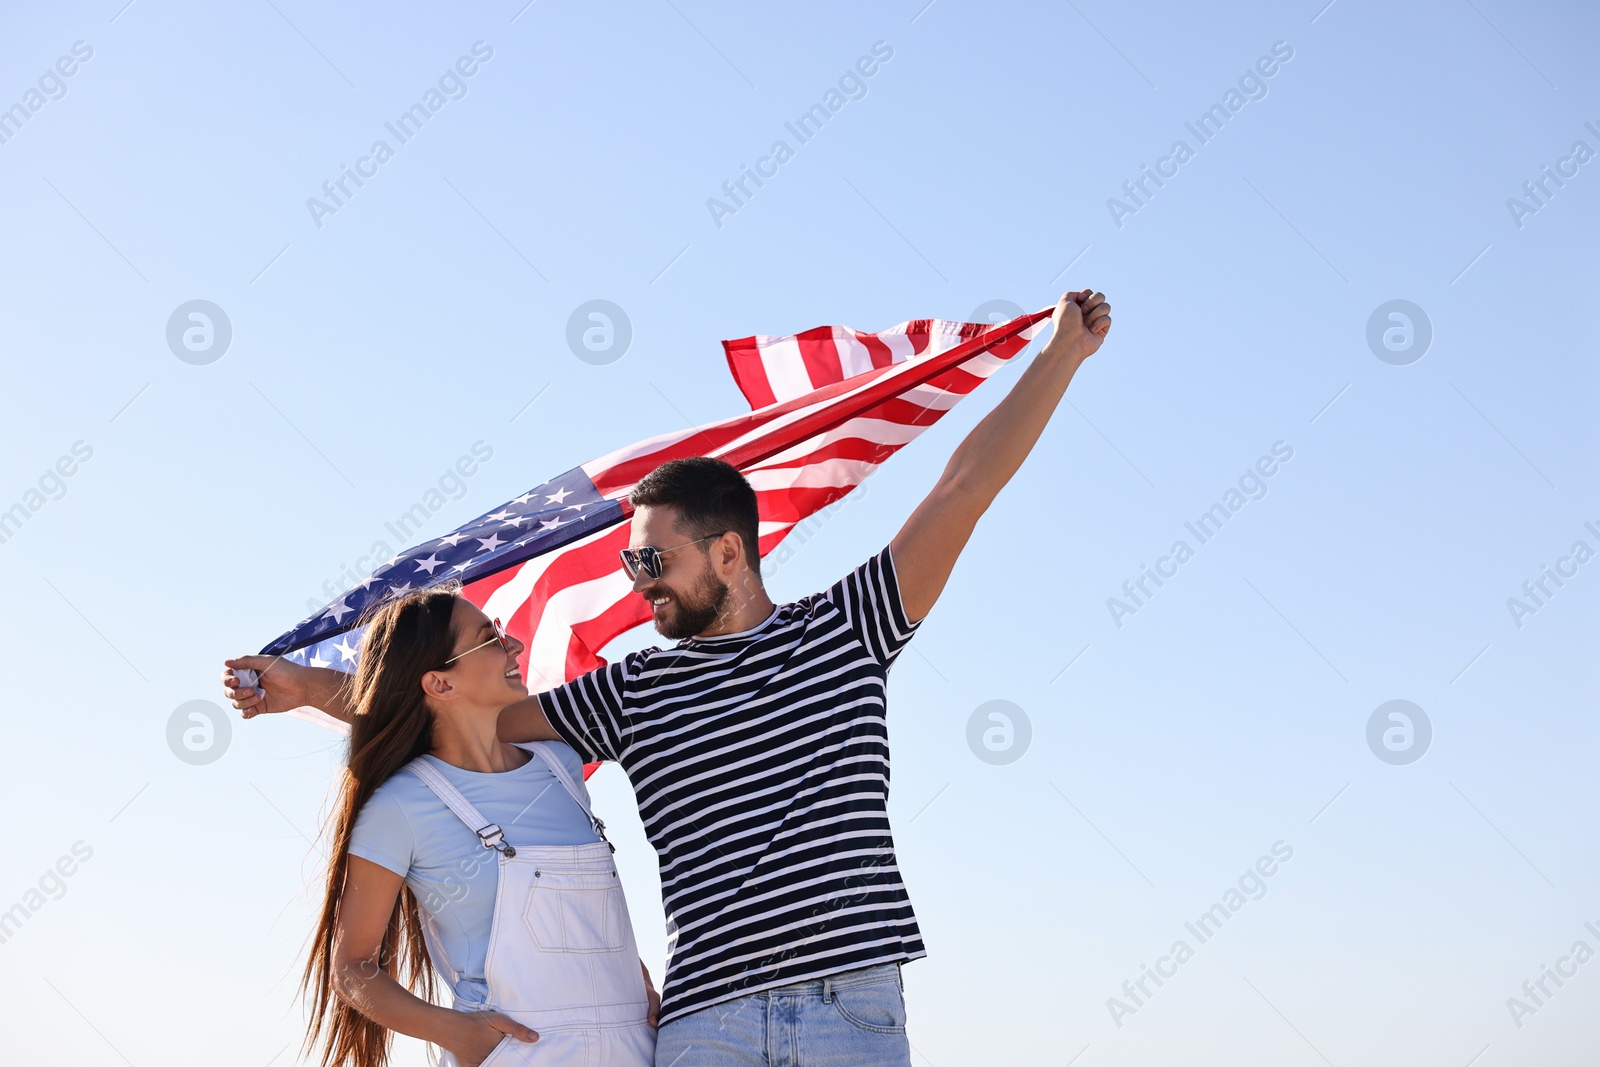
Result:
{"points": [[499, 635], [649, 559]]}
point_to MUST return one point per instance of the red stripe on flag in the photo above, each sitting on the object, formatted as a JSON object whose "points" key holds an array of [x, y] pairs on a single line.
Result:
{"points": [[744, 361], [877, 349], [797, 502], [919, 332], [479, 590], [858, 449], [820, 353], [620, 617]]}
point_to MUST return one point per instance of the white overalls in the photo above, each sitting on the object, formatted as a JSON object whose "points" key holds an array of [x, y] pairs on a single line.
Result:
{"points": [[562, 958]]}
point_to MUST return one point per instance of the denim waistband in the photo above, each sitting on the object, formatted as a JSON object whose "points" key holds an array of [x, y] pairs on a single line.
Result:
{"points": [[876, 974]]}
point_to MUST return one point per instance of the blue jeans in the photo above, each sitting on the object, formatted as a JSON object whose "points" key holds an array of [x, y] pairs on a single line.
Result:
{"points": [[851, 1019]]}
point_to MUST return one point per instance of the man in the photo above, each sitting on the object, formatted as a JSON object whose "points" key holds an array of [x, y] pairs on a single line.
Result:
{"points": [[758, 745]]}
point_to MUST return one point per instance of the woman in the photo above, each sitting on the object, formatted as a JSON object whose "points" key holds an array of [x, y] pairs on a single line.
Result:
{"points": [[481, 858]]}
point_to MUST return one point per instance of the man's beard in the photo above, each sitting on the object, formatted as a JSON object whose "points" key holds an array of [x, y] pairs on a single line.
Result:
{"points": [[689, 617]]}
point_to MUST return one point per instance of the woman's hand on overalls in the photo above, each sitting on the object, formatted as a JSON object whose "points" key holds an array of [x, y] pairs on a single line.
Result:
{"points": [[482, 1033], [652, 995]]}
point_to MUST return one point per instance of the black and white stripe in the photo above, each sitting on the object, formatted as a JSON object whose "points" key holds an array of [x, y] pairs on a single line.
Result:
{"points": [[760, 761]]}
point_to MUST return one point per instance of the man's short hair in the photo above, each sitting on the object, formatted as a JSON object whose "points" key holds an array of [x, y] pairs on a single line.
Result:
{"points": [[711, 497]]}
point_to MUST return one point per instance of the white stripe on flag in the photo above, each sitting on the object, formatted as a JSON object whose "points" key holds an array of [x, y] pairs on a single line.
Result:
{"points": [[853, 354], [899, 345], [566, 608], [832, 473], [876, 431], [931, 396], [786, 369], [942, 338]]}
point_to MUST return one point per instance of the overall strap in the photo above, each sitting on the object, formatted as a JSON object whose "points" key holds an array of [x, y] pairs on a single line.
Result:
{"points": [[579, 793], [489, 833]]}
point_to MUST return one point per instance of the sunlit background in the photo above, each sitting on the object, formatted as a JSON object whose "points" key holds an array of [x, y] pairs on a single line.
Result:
{"points": [[1373, 265]]}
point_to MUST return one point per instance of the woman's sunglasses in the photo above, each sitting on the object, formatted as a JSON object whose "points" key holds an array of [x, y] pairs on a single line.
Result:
{"points": [[649, 559], [499, 635]]}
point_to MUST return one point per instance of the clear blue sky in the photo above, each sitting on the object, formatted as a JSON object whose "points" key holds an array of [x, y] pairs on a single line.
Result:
{"points": [[1168, 753]]}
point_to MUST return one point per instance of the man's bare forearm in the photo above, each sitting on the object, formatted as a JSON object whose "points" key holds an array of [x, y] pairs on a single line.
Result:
{"points": [[927, 546], [996, 447]]}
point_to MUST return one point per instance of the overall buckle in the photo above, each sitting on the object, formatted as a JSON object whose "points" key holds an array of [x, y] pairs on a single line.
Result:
{"points": [[493, 837]]}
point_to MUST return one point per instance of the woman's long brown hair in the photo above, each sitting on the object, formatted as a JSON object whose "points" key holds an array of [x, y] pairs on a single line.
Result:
{"points": [[390, 726]]}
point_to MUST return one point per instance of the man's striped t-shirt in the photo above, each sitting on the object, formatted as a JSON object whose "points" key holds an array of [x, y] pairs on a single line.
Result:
{"points": [[760, 761]]}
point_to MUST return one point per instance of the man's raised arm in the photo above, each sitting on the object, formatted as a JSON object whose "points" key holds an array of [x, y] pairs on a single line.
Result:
{"points": [[927, 546]]}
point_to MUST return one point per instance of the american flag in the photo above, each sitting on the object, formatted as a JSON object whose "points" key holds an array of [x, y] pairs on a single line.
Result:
{"points": [[829, 405]]}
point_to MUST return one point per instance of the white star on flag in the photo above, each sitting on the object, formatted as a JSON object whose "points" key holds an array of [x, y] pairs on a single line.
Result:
{"points": [[490, 543], [559, 498], [429, 564], [346, 653], [338, 611]]}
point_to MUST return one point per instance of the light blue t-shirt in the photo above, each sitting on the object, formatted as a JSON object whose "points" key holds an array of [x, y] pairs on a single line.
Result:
{"points": [[407, 829]]}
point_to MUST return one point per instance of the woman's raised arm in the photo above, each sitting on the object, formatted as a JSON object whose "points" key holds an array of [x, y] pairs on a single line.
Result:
{"points": [[284, 684]]}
